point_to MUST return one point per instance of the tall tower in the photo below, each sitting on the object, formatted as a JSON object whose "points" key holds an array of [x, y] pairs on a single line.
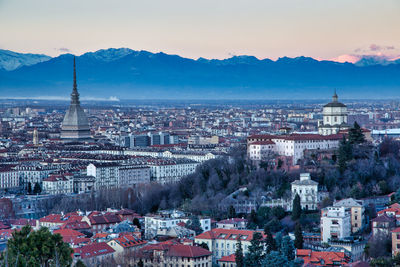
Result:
{"points": [[35, 140], [334, 117], [75, 126]]}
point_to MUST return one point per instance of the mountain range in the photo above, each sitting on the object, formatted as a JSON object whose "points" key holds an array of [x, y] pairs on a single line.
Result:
{"points": [[128, 74]]}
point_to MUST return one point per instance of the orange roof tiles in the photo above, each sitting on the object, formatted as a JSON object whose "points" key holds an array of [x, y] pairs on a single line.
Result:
{"points": [[229, 258], [322, 258]]}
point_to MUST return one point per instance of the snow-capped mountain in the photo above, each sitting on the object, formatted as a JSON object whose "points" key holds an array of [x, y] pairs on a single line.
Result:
{"points": [[10, 60]]}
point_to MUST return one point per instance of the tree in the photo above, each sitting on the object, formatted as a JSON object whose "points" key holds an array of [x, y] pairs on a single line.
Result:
{"points": [[287, 248], [194, 224], [29, 188], [296, 210], [381, 262], [274, 225], [275, 259], [37, 248], [280, 163], [378, 246], [396, 259], [270, 243], [356, 135], [252, 220], [278, 212], [137, 223], [345, 154], [37, 189], [204, 245], [298, 233], [255, 255], [80, 263], [231, 212], [239, 254]]}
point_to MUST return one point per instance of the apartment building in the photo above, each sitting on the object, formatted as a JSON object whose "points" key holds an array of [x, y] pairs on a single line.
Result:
{"points": [[357, 211], [259, 147], [170, 170], [222, 242], [57, 184], [335, 223]]}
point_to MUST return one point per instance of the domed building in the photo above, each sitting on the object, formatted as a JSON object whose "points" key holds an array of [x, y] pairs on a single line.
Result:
{"points": [[75, 126], [334, 117]]}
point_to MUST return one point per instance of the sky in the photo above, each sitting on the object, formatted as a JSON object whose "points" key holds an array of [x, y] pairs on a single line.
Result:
{"points": [[342, 30]]}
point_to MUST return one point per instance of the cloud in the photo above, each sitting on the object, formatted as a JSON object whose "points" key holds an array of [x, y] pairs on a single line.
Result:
{"points": [[63, 50], [346, 58], [374, 47]]}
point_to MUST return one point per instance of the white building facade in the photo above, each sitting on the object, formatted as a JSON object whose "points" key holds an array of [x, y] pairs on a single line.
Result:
{"points": [[307, 190], [155, 224], [334, 117], [170, 171], [58, 184], [133, 175], [9, 179], [260, 147], [105, 174], [335, 223]]}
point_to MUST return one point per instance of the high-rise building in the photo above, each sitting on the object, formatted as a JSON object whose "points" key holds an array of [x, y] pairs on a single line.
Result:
{"points": [[334, 117], [35, 137], [75, 126]]}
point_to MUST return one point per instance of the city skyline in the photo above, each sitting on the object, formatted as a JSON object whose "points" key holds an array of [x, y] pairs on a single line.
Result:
{"points": [[338, 30]]}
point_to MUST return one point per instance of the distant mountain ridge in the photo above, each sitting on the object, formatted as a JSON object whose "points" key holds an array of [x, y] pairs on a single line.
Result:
{"points": [[130, 74], [10, 60]]}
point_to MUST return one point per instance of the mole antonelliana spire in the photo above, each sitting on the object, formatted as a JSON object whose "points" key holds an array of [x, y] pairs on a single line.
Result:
{"points": [[75, 126]]}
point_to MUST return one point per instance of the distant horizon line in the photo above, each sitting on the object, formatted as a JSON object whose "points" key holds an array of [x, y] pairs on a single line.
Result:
{"points": [[344, 58], [116, 100]]}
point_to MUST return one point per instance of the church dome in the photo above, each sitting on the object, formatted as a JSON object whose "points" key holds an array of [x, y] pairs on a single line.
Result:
{"points": [[335, 103]]}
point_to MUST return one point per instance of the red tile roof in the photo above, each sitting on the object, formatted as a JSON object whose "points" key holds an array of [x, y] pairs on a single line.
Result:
{"points": [[268, 142], [68, 232], [94, 250], [187, 251], [4, 226], [100, 235], [384, 218], [127, 212], [230, 234], [229, 258], [128, 241], [76, 225], [104, 219], [6, 233], [322, 258], [52, 218]]}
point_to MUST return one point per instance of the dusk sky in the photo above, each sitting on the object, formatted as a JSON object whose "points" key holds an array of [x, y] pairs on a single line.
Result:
{"points": [[323, 29]]}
